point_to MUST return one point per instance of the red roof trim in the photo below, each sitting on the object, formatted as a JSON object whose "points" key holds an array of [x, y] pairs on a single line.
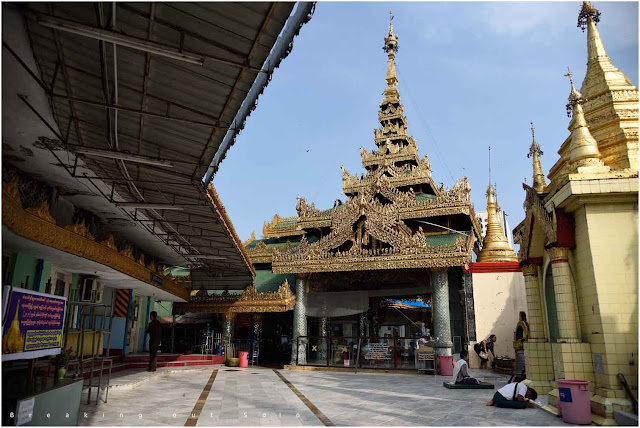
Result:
{"points": [[489, 267]]}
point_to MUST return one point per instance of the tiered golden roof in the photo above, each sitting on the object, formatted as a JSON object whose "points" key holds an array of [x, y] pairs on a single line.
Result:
{"points": [[395, 216]]}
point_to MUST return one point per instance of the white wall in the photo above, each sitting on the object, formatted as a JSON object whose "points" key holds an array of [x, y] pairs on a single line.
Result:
{"points": [[498, 298]]}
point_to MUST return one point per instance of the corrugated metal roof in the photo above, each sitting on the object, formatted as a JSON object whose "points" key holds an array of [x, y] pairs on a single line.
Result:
{"points": [[165, 108]]}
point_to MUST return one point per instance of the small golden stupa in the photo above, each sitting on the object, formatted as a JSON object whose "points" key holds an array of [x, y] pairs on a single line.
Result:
{"points": [[495, 247]]}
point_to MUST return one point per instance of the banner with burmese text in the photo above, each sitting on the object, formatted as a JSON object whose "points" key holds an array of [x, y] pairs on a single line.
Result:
{"points": [[32, 324]]}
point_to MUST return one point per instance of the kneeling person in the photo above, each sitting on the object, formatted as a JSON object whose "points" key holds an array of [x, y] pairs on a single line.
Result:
{"points": [[511, 396], [461, 371]]}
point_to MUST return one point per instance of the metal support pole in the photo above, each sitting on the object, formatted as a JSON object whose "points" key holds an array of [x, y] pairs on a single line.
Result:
{"points": [[173, 333]]}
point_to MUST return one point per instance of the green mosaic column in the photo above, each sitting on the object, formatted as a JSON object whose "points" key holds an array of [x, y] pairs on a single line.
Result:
{"points": [[299, 322], [227, 331], [323, 341], [441, 316]]}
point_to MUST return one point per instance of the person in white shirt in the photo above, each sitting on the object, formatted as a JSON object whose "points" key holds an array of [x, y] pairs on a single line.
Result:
{"points": [[461, 370], [512, 396]]}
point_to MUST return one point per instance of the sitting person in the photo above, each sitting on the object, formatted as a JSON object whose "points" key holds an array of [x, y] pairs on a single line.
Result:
{"points": [[461, 370], [512, 395]]}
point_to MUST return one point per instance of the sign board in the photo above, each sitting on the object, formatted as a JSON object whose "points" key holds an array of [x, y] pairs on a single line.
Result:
{"points": [[25, 411], [377, 351], [157, 279], [32, 324], [565, 395]]}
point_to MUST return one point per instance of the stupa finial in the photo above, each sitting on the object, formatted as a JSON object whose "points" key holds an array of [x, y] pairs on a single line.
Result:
{"points": [[391, 39], [391, 48], [539, 182], [583, 148], [588, 11], [575, 97]]}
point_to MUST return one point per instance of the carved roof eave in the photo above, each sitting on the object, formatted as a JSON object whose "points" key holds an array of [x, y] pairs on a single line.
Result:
{"points": [[246, 302], [275, 229], [370, 159], [38, 225], [262, 258], [402, 261], [356, 186], [408, 258], [261, 253], [406, 213], [534, 212]]}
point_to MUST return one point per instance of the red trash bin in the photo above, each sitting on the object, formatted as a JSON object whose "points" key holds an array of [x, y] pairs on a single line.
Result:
{"points": [[244, 359], [446, 365], [574, 401]]}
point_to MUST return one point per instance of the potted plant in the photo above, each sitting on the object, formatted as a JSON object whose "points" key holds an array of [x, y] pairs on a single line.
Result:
{"points": [[62, 359]]}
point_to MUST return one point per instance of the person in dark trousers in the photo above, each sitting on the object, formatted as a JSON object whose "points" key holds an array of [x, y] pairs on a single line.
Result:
{"points": [[483, 348], [512, 395], [154, 330]]}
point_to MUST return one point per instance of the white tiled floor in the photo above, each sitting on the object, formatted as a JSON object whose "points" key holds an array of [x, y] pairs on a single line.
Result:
{"points": [[258, 397]]}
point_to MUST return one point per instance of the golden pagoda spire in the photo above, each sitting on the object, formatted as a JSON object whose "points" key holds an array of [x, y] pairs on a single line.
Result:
{"points": [[588, 18], [495, 247], [612, 101], [534, 151], [584, 155]]}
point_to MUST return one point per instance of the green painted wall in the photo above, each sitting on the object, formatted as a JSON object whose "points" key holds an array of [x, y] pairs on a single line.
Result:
{"points": [[46, 274], [75, 279], [162, 308], [24, 265]]}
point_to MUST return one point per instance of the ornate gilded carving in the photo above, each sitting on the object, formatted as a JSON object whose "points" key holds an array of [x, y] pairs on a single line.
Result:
{"points": [[281, 226], [44, 212], [558, 253], [80, 229], [11, 189], [251, 238], [128, 252], [110, 242], [529, 270], [32, 226], [375, 228], [533, 203], [248, 301]]}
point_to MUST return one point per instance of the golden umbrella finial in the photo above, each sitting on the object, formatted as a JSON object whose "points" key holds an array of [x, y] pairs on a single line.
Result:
{"points": [[569, 75], [587, 11], [575, 97]]}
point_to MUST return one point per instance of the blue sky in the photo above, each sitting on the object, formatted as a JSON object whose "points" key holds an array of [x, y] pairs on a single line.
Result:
{"points": [[471, 75]]}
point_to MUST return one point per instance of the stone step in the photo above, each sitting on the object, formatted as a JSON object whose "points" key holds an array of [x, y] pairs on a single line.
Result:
{"points": [[96, 371], [170, 357], [145, 364], [625, 418]]}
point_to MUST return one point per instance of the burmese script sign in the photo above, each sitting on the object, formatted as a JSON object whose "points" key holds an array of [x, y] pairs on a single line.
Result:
{"points": [[32, 324]]}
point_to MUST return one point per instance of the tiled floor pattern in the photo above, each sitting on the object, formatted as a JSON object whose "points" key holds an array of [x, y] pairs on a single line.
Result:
{"points": [[407, 400], [258, 397]]}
